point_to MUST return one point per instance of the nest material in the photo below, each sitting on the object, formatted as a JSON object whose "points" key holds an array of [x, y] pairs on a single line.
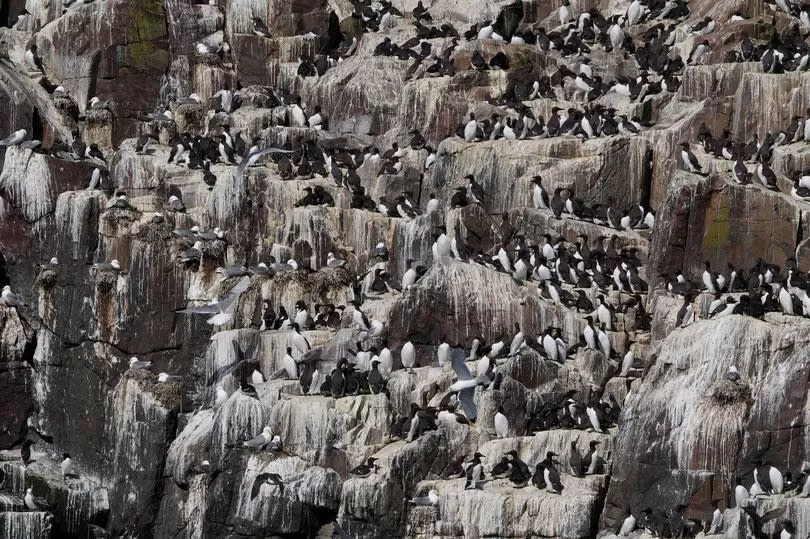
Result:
{"points": [[106, 281], [728, 392], [319, 284], [120, 214], [98, 117], [47, 279], [191, 112], [227, 285], [208, 59], [168, 394], [66, 106], [154, 233], [214, 250]]}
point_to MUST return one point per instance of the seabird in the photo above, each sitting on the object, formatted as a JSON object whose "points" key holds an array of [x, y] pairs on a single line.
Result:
{"points": [[408, 355], [136, 365], [628, 525], [260, 28], [220, 397], [550, 474], [465, 384], [332, 262], [67, 465], [35, 503], [25, 451], [98, 104], [690, 162], [474, 472], [218, 308], [365, 469], [501, 423], [14, 138], [265, 479], [432, 498], [176, 205], [717, 520], [165, 116], [10, 298], [258, 442]]}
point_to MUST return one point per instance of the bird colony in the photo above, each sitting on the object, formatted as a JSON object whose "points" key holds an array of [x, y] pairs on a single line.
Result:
{"points": [[361, 268]]}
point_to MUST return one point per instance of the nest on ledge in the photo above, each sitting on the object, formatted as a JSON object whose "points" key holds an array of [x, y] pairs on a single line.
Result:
{"points": [[318, 284], [154, 233], [728, 392], [168, 394], [116, 216], [214, 250], [208, 59], [98, 116], [66, 106], [106, 281], [46, 279]]}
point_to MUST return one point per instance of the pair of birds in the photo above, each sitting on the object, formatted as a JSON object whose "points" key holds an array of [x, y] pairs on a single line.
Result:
{"points": [[136, 364]]}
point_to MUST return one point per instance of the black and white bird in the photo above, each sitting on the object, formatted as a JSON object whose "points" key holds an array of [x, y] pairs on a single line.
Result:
{"points": [[260, 28], [551, 475], [501, 423], [704, 27], [176, 205], [267, 478], [698, 52], [688, 159]]}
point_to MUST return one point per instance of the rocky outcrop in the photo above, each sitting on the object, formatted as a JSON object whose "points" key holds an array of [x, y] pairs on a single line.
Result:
{"points": [[180, 458]]}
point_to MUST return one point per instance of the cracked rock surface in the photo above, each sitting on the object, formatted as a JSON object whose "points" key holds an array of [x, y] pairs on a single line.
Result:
{"points": [[156, 458]]}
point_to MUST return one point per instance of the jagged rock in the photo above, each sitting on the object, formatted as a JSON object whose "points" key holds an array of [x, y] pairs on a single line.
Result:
{"points": [[94, 52], [715, 220], [15, 375], [679, 407], [686, 434]]}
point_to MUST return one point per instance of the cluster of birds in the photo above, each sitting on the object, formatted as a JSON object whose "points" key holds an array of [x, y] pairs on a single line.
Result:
{"points": [[781, 53], [759, 152], [564, 201], [546, 475], [594, 269], [766, 288], [767, 480], [590, 122], [576, 274]]}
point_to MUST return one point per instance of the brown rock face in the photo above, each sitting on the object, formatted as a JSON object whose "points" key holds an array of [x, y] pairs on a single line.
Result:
{"points": [[232, 423], [16, 351], [712, 220], [115, 50]]}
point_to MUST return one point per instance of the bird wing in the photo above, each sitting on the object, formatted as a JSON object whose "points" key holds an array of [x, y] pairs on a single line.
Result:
{"points": [[457, 360], [235, 292], [240, 170], [208, 308], [260, 480], [256, 441], [465, 398]]}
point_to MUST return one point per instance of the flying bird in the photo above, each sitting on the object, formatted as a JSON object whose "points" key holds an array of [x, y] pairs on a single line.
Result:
{"points": [[218, 308]]}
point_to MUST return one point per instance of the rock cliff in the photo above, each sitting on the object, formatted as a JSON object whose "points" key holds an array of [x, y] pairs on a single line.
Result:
{"points": [[142, 339]]}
